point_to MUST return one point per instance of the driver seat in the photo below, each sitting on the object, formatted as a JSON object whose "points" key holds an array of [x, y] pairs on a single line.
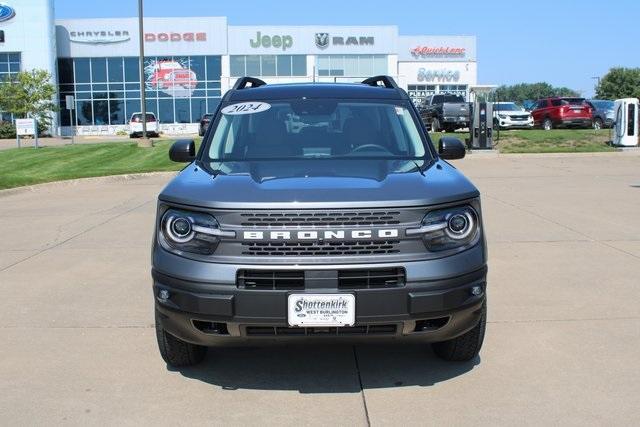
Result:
{"points": [[357, 132]]}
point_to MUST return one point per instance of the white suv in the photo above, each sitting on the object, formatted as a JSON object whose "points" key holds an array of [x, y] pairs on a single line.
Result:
{"points": [[510, 115], [135, 125]]}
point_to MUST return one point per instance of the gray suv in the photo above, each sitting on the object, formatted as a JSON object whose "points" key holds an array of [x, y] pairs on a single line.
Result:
{"points": [[314, 211]]}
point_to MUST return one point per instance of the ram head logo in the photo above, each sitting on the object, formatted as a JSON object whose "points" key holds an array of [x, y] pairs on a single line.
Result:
{"points": [[322, 40]]}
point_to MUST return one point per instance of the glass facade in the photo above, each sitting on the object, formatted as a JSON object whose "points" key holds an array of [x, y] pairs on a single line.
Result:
{"points": [[268, 65], [107, 90], [352, 65], [9, 66], [419, 92]]}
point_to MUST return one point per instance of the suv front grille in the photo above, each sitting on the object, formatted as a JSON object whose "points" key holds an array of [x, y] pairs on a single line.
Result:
{"points": [[319, 331], [371, 279], [338, 248], [346, 279], [319, 219], [270, 279]]}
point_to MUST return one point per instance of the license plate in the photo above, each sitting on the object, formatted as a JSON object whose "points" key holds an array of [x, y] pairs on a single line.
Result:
{"points": [[321, 310]]}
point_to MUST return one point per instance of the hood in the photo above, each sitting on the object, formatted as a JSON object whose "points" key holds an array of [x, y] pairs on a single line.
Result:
{"points": [[318, 184]]}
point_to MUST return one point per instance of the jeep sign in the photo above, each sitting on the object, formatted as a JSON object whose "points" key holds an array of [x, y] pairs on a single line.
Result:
{"points": [[283, 42]]}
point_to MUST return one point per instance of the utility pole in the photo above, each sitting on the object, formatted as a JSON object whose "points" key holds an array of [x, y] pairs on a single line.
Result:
{"points": [[144, 141]]}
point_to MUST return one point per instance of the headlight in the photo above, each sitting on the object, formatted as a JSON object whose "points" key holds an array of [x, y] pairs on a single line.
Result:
{"points": [[502, 116], [450, 228], [183, 231]]}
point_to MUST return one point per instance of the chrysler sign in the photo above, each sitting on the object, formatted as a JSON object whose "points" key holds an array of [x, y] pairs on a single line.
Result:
{"points": [[99, 36]]}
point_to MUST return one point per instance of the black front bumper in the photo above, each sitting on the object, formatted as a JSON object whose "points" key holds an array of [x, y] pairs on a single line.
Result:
{"points": [[207, 313]]}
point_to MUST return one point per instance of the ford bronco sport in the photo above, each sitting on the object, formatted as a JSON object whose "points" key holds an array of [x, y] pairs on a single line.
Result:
{"points": [[314, 211]]}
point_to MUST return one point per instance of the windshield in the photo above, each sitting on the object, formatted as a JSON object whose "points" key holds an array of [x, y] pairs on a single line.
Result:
{"points": [[507, 106], [316, 129], [603, 105], [452, 98], [573, 101]]}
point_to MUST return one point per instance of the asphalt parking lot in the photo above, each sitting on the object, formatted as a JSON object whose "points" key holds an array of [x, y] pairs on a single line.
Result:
{"points": [[77, 345]]}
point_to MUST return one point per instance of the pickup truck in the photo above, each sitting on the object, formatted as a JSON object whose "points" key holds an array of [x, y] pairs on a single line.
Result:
{"points": [[445, 112]]}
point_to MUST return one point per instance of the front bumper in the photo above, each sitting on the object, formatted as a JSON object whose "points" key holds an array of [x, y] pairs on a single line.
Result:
{"points": [[508, 123], [426, 308]]}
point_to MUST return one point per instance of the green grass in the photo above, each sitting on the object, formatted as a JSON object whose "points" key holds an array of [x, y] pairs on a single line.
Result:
{"points": [[26, 166], [541, 141]]}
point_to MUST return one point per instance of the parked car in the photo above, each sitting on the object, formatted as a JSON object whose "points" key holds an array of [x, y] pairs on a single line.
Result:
{"points": [[603, 114], [510, 115], [204, 124], [550, 113], [349, 224], [446, 112], [135, 125]]}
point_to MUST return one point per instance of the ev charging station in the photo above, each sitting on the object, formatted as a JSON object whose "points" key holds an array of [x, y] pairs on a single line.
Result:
{"points": [[481, 120], [625, 129]]}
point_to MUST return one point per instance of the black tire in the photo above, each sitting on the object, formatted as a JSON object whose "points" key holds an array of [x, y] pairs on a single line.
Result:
{"points": [[598, 124], [435, 125], [547, 124], [466, 346], [176, 352]]}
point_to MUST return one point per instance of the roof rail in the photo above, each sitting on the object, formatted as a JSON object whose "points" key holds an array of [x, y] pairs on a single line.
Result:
{"points": [[386, 81], [243, 82]]}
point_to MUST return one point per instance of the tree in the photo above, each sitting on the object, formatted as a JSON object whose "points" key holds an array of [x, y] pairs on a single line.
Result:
{"points": [[531, 91], [29, 94], [619, 83]]}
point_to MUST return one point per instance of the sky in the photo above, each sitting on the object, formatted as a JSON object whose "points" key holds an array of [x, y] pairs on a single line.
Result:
{"points": [[563, 42]]}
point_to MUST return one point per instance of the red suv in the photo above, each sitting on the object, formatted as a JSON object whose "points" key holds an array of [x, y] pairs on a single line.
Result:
{"points": [[562, 112]]}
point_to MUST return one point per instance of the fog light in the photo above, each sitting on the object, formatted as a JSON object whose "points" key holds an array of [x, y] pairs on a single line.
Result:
{"points": [[476, 290], [163, 294]]}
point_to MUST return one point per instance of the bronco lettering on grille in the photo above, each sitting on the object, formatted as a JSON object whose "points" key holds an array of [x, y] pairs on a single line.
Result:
{"points": [[320, 235]]}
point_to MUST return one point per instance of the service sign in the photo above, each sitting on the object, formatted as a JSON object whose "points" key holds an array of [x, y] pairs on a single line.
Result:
{"points": [[25, 127]]}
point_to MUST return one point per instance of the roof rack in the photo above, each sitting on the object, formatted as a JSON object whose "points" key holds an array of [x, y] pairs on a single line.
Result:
{"points": [[386, 81], [243, 82]]}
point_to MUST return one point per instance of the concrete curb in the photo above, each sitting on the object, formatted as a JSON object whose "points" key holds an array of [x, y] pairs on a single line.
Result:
{"points": [[71, 182], [483, 154]]}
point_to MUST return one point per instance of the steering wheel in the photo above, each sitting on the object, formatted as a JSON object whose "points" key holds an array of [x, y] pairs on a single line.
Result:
{"points": [[370, 147]]}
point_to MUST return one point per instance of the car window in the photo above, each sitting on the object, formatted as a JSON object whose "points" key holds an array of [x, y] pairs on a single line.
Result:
{"points": [[453, 98], [572, 101], [317, 128], [138, 117], [556, 102], [507, 106], [542, 103]]}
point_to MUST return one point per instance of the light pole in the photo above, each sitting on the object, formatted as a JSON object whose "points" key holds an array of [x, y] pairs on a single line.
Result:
{"points": [[144, 141]]}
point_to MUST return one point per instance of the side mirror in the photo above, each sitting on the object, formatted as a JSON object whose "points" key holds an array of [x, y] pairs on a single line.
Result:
{"points": [[451, 148], [183, 151]]}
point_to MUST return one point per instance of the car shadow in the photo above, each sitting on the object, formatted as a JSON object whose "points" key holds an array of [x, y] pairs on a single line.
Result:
{"points": [[324, 368]]}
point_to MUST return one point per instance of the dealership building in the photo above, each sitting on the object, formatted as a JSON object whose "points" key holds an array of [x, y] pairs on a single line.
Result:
{"points": [[191, 62]]}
